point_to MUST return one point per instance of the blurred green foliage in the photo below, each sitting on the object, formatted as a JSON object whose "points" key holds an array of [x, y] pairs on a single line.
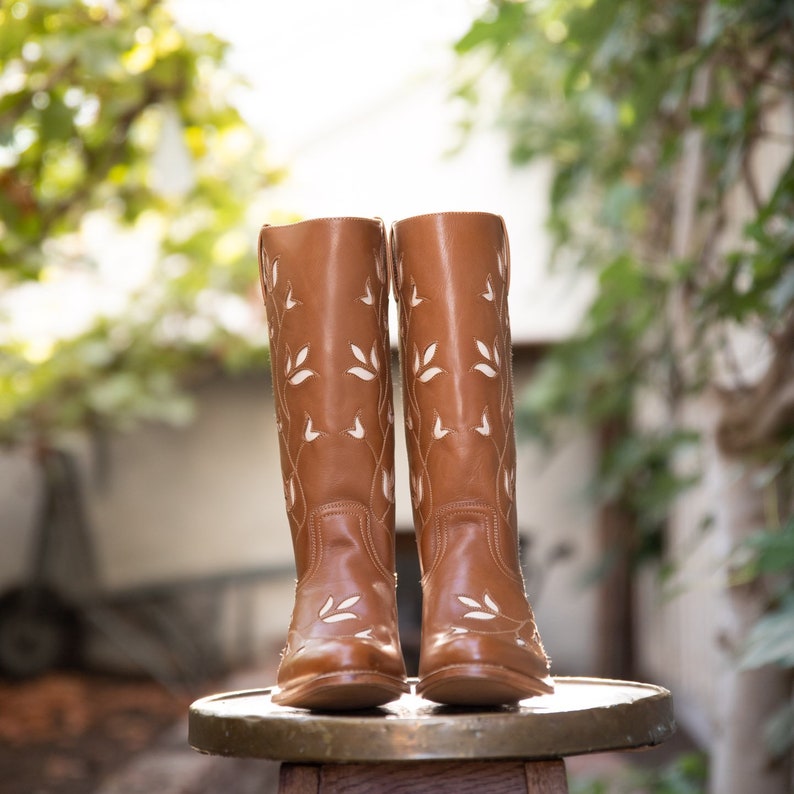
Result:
{"points": [[686, 775], [656, 114], [115, 118]]}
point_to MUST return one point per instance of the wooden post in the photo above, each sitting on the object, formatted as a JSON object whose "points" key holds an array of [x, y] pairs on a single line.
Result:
{"points": [[426, 777]]}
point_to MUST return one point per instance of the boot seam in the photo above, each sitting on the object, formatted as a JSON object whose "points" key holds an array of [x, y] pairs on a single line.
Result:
{"points": [[441, 531], [305, 221], [483, 213], [356, 510]]}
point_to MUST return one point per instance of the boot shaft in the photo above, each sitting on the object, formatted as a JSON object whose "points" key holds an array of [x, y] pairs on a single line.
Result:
{"points": [[451, 281], [325, 283]]}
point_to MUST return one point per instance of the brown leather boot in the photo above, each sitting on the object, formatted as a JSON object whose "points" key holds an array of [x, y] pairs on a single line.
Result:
{"points": [[480, 645], [325, 284]]}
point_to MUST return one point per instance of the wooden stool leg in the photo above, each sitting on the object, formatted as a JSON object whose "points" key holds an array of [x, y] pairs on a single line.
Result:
{"points": [[546, 777], [298, 779], [426, 777]]}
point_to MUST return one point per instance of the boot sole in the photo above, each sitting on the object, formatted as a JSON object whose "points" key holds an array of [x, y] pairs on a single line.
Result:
{"points": [[342, 692], [480, 685]]}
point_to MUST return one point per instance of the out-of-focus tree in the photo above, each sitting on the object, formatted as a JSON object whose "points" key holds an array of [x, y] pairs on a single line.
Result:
{"points": [[127, 179], [668, 128]]}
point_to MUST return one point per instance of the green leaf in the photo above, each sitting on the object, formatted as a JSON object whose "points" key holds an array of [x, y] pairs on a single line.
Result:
{"points": [[779, 732], [783, 291], [774, 549], [771, 640]]}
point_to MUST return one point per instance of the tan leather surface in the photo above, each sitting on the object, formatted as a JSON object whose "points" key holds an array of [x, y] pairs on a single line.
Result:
{"points": [[326, 285], [479, 639]]}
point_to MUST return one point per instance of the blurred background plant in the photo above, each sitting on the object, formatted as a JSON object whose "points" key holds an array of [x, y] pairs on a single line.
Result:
{"points": [[669, 129], [687, 774], [128, 183]]}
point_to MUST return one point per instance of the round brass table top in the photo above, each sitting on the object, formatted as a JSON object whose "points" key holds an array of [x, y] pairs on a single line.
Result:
{"points": [[584, 715]]}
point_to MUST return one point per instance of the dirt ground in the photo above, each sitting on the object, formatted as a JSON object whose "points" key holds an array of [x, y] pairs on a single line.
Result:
{"points": [[64, 732]]}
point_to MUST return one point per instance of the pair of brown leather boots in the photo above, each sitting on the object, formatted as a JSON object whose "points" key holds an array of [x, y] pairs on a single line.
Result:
{"points": [[326, 285]]}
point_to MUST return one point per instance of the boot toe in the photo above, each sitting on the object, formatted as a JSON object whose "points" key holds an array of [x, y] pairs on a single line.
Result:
{"points": [[341, 675], [482, 671]]}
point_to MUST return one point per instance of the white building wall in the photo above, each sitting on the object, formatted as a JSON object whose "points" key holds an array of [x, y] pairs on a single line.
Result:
{"points": [[177, 505]]}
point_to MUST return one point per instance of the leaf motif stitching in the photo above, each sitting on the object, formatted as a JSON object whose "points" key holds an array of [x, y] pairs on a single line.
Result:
{"points": [[484, 428], [387, 482], [309, 433], [489, 293], [294, 375], [422, 370], [491, 356], [335, 614], [370, 367], [487, 611], [367, 298], [439, 431]]}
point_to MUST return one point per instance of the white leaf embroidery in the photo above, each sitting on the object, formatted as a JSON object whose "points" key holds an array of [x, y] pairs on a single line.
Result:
{"points": [[288, 364], [491, 603], [485, 428], [289, 301], [488, 294], [358, 353], [289, 493], [483, 348], [486, 369], [339, 616], [327, 605], [496, 355], [367, 297], [390, 414], [418, 490], [309, 432], [458, 630], [415, 299], [274, 272], [348, 602], [388, 485], [521, 642], [357, 431], [417, 362], [364, 635], [373, 357], [362, 373], [469, 602], [301, 375], [508, 482], [379, 269], [430, 373], [480, 615], [430, 351], [301, 355], [438, 430]]}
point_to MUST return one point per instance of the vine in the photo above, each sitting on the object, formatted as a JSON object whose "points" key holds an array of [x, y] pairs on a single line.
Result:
{"points": [[667, 124]]}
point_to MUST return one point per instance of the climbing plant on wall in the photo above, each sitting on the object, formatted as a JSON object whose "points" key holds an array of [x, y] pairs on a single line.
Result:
{"points": [[668, 129]]}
